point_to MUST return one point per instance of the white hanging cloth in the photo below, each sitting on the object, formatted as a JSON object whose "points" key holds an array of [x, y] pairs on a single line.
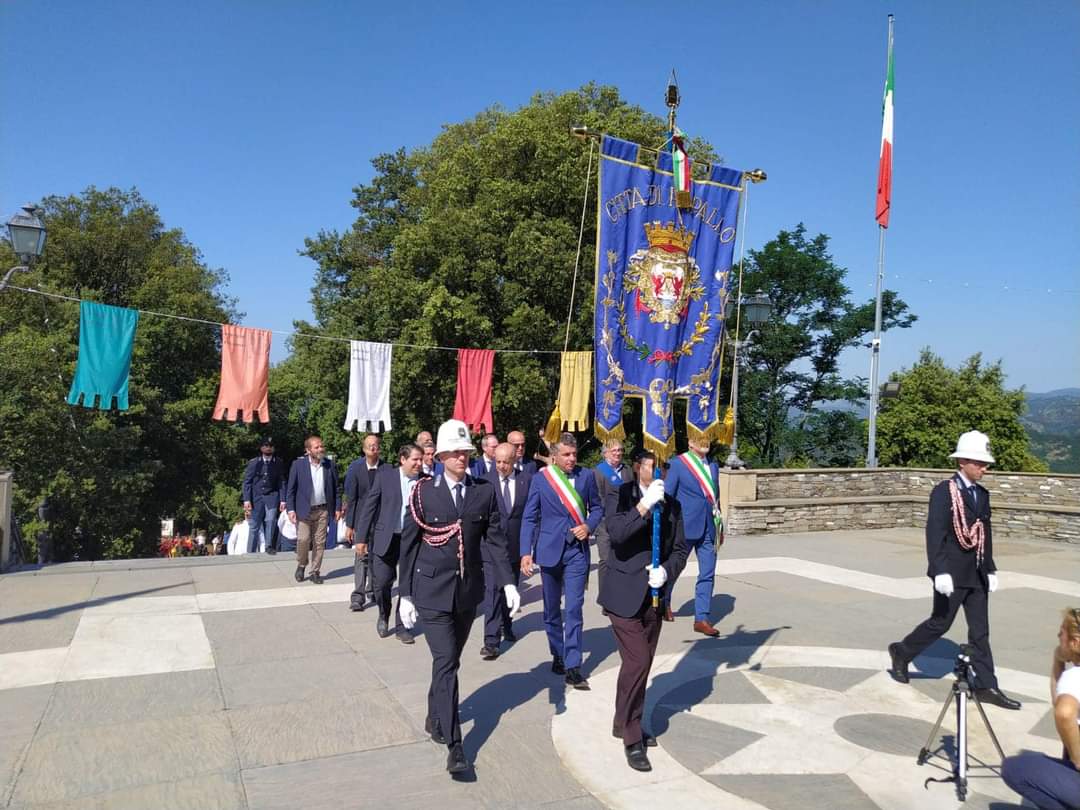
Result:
{"points": [[369, 386]]}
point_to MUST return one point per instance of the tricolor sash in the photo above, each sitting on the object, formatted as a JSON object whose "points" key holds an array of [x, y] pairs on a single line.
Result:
{"points": [[703, 476], [569, 496]]}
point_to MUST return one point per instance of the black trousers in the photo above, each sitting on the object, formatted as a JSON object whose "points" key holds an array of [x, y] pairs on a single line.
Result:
{"points": [[363, 581], [496, 612], [446, 634], [384, 571], [976, 611], [636, 638]]}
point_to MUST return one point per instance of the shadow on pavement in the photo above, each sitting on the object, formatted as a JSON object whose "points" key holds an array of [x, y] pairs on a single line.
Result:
{"points": [[49, 613]]}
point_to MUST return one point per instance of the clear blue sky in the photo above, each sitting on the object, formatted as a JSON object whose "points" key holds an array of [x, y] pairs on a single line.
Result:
{"points": [[248, 124]]}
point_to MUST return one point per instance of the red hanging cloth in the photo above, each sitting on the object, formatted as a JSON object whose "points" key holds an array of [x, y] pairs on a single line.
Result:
{"points": [[473, 402]]}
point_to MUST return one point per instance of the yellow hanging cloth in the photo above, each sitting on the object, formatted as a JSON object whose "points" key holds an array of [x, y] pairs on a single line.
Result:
{"points": [[572, 406], [727, 429]]}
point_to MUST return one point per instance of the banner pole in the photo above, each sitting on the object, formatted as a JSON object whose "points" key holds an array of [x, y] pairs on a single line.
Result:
{"points": [[875, 352]]}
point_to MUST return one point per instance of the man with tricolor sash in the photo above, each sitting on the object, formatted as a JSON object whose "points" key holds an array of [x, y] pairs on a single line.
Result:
{"points": [[692, 481], [563, 508]]}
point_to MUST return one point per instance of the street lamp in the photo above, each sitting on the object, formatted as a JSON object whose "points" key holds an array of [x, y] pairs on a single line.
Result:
{"points": [[758, 308], [26, 232]]}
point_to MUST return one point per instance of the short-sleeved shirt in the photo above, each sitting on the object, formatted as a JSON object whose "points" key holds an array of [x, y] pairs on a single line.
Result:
{"points": [[1069, 684]]}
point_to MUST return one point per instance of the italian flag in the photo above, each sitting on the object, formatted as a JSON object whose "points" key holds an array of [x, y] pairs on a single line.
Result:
{"points": [[680, 161], [884, 178]]}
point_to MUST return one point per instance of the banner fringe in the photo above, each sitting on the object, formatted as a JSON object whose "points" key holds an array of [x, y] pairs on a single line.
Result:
{"points": [[617, 432]]}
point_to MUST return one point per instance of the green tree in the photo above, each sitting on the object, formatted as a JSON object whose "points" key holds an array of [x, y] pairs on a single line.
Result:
{"points": [[792, 365], [920, 427], [116, 474], [467, 242]]}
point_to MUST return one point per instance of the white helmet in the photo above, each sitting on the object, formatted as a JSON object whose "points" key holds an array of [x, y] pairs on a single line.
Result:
{"points": [[975, 446], [453, 435]]}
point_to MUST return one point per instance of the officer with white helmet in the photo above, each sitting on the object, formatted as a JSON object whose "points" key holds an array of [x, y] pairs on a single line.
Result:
{"points": [[452, 527], [960, 557]]}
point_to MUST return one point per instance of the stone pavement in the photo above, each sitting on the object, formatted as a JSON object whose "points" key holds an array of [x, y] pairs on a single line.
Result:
{"points": [[222, 683]]}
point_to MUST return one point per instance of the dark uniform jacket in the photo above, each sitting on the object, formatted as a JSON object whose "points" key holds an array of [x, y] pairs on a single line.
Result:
{"points": [[625, 584], [429, 574], [356, 487], [264, 478], [944, 553]]}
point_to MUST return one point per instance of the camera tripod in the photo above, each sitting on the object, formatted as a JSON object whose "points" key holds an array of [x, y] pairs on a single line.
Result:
{"points": [[962, 690]]}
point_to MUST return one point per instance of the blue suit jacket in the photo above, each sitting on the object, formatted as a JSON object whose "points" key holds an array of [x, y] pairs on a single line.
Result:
{"points": [[478, 468], [545, 526], [511, 519], [681, 484], [298, 491]]}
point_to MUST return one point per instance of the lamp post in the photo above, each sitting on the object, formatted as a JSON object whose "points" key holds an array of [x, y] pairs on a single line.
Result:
{"points": [[26, 233], [758, 308]]}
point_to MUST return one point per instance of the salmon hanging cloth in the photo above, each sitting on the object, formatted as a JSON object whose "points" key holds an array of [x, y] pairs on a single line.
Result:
{"points": [[245, 374], [572, 406], [106, 338], [472, 405]]}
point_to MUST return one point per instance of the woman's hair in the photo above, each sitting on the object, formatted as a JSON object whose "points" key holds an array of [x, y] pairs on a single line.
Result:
{"points": [[1072, 629]]}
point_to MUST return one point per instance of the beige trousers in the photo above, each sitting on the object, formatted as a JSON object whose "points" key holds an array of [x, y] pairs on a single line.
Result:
{"points": [[311, 533]]}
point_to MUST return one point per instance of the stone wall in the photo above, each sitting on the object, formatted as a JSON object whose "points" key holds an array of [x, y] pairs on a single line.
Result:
{"points": [[1033, 505]]}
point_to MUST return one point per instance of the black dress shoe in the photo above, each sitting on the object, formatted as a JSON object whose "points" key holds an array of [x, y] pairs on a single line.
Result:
{"points": [[996, 697], [557, 665], [433, 730], [356, 607], [404, 636], [382, 627], [575, 679], [898, 664], [455, 760], [315, 578], [271, 550], [489, 652], [299, 573], [636, 757], [648, 739]]}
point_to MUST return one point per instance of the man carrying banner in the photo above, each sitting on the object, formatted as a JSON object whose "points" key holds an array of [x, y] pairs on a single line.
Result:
{"points": [[692, 481], [563, 508], [452, 533], [626, 592]]}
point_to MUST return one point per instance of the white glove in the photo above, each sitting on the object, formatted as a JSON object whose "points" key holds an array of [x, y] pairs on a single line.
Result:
{"points": [[943, 584], [513, 599], [657, 576], [653, 494], [407, 612], [992, 581]]}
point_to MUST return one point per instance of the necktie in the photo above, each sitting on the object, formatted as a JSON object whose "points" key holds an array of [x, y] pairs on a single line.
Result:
{"points": [[974, 499], [459, 496], [506, 494]]}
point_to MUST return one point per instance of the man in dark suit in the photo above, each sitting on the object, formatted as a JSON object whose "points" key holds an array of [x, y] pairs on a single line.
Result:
{"points": [[611, 474], [562, 510], [311, 500], [512, 489], [960, 557], [626, 592], [378, 530], [484, 466], [263, 494], [358, 480], [452, 532], [516, 439], [692, 480]]}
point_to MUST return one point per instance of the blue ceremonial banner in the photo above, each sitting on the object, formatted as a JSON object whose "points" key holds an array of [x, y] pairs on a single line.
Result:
{"points": [[662, 281]]}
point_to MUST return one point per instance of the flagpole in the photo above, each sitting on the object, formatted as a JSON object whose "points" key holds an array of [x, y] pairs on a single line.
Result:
{"points": [[875, 352], [875, 345]]}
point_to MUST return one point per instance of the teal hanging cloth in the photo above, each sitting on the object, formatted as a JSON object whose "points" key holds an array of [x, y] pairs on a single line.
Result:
{"points": [[106, 338]]}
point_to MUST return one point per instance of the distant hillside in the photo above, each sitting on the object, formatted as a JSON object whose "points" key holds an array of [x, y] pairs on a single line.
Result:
{"points": [[1053, 425]]}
